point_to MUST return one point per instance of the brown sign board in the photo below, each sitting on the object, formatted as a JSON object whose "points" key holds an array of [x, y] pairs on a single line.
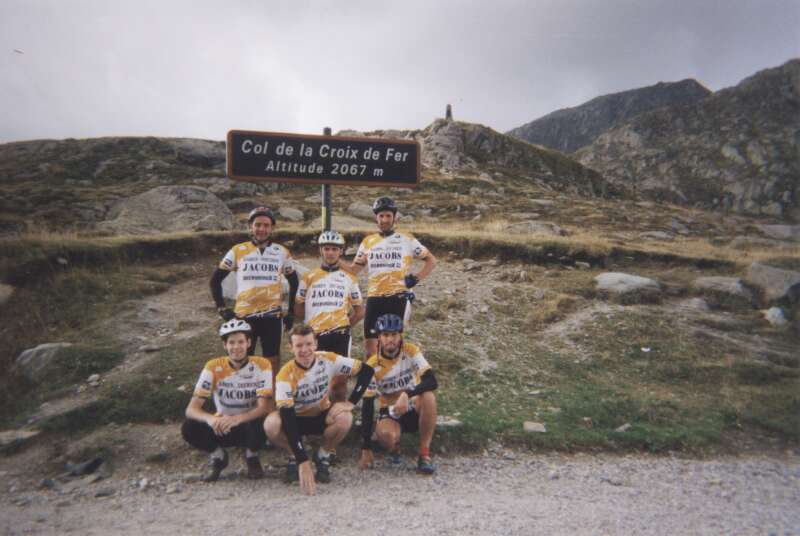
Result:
{"points": [[281, 157]]}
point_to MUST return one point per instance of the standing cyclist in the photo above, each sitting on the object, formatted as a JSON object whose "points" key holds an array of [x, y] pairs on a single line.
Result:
{"points": [[330, 301], [259, 265], [387, 255], [242, 390]]}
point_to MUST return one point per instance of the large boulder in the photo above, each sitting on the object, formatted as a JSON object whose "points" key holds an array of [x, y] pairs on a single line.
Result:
{"points": [[170, 209], [725, 288], [778, 284], [621, 283], [290, 214], [357, 209], [34, 362], [536, 227], [781, 232]]}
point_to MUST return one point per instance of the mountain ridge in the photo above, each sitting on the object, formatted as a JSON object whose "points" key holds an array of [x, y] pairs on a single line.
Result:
{"points": [[569, 129]]}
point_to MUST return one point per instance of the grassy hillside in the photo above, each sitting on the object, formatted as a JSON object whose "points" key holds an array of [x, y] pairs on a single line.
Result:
{"points": [[526, 337]]}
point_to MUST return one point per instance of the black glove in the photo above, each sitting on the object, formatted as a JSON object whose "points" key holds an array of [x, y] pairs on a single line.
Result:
{"points": [[226, 313], [288, 322], [411, 280]]}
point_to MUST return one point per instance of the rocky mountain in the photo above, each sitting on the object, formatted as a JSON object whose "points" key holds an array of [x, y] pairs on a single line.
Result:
{"points": [[454, 147], [737, 150], [569, 129], [85, 184]]}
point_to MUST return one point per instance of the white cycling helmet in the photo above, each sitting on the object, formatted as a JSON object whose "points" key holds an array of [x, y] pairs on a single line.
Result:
{"points": [[234, 326], [331, 237]]}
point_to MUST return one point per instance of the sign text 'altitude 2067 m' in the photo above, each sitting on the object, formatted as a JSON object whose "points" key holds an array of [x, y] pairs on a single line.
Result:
{"points": [[281, 157]]}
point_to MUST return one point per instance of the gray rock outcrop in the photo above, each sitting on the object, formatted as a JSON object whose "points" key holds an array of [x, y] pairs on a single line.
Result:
{"points": [[775, 316], [781, 232], [735, 150], [290, 214], [170, 209], [569, 129], [621, 283], [728, 286], [357, 209], [777, 283], [457, 146], [34, 362], [536, 227]]}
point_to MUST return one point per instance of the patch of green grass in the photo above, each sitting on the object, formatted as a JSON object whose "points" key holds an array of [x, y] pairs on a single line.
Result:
{"points": [[152, 396], [77, 363]]}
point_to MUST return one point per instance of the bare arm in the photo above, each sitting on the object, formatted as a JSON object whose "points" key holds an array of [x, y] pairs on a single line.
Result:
{"points": [[196, 412], [299, 310], [430, 263], [356, 315]]}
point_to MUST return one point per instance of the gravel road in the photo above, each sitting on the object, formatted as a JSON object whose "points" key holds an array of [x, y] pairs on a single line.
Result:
{"points": [[514, 494]]}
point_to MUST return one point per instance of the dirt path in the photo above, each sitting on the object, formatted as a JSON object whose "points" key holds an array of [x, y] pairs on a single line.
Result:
{"points": [[490, 495]]}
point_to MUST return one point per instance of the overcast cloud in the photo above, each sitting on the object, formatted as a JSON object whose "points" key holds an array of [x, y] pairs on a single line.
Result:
{"points": [[87, 68]]}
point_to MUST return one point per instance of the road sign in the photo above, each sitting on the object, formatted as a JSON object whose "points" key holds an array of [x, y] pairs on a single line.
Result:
{"points": [[281, 157]]}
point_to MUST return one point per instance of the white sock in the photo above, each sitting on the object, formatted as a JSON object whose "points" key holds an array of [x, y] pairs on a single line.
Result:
{"points": [[218, 454], [323, 454], [251, 453]]}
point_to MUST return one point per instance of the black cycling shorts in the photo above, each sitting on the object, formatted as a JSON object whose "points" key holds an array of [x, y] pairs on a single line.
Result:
{"points": [[337, 341], [409, 421], [312, 425], [382, 305], [269, 330]]}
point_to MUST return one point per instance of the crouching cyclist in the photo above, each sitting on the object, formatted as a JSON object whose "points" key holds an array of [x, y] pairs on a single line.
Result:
{"points": [[241, 386], [405, 385], [302, 388]]}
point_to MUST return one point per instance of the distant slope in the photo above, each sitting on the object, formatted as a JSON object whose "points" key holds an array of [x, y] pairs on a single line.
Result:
{"points": [[456, 146], [77, 184], [73, 184], [738, 150], [569, 129]]}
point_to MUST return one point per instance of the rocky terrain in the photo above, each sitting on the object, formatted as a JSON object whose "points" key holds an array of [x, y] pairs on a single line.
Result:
{"points": [[569, 129], [125, 477], [565, 315], [736, 150]]}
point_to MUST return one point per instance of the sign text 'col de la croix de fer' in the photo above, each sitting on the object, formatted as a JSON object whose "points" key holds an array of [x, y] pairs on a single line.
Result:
{"points": [[281, 157]]}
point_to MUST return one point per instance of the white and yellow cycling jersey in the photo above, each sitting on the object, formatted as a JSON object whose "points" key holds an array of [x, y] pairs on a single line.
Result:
{"points": [[388, 259], [327, 297], [258, 276], [392, 376], [307, 389], [235, 391]]}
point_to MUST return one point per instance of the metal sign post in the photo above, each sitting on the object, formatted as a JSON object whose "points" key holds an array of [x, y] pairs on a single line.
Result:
{"points": [[327, 214]]}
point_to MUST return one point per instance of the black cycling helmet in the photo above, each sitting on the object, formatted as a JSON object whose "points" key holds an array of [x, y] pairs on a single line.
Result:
{"points": [[384, 203], [389, 323], [261, 211]]}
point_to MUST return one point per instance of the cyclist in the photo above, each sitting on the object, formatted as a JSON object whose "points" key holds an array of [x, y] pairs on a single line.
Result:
{"points": [[404, 384], [241, 386], [330, 301], [302, 387], [387, 255], [259, 264]]}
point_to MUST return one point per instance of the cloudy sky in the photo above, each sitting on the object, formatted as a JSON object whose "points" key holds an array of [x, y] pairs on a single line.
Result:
{"points": [[86, 68]]}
